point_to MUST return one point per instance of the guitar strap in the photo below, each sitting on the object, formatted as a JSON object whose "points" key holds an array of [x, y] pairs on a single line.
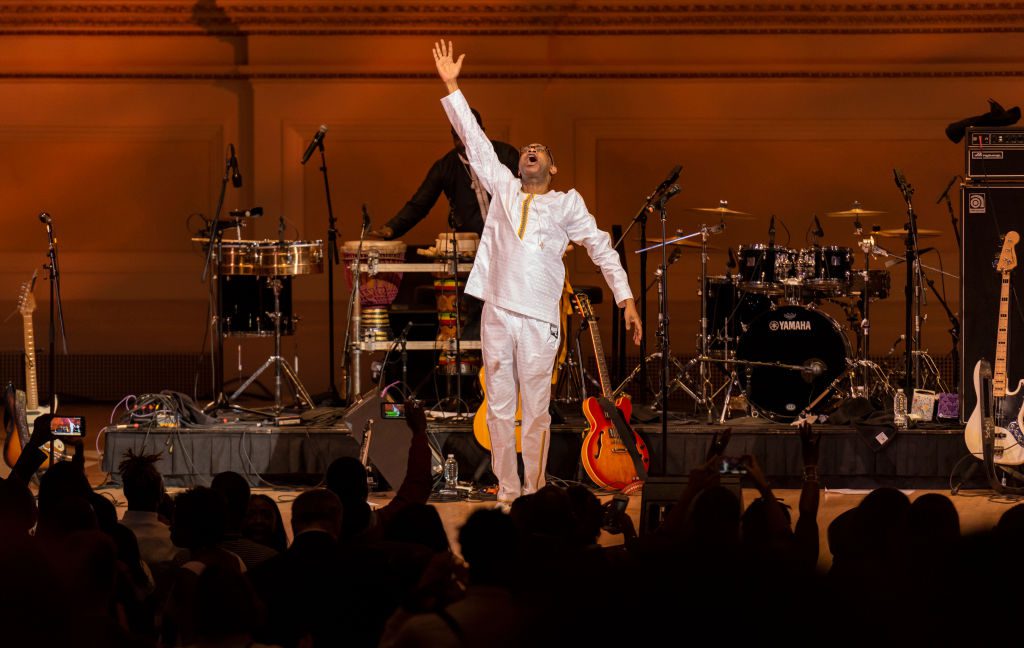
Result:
{"points": [[614, 414]]}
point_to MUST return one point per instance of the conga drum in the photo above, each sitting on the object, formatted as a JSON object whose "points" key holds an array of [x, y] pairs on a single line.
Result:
{"points": [[376, 291]]}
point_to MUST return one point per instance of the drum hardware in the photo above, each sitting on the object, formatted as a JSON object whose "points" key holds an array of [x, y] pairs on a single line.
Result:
{"points": [[281, 366], [704, 398], [912, 291], [453, 352]]}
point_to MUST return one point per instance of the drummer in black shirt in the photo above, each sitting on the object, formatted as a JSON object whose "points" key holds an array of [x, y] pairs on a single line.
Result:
{"points": [[452, 175]]}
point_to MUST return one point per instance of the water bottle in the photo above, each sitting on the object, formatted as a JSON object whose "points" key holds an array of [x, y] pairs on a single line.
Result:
{"points": [[899, 410], [451, 474]]}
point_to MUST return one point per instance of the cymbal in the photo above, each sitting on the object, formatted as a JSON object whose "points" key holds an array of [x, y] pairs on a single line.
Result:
{"points": [[902, 233], [687, 243], [856, 212], [723, 211]]}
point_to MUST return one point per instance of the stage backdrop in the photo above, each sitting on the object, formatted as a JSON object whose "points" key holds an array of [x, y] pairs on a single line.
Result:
{"points": [[116, 117]]}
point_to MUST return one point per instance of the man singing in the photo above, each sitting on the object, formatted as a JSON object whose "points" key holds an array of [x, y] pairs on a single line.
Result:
{"points": [[519, 275]]}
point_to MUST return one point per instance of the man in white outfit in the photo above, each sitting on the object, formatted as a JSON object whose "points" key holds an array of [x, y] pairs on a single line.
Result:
{"points": [[518, 274]]}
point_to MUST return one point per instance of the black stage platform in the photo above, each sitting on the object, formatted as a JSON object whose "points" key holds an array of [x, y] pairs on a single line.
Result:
{"points": [[923, 457]]}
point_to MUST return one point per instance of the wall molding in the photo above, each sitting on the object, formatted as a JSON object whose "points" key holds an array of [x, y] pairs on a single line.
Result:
{"points": [[504, 18]]}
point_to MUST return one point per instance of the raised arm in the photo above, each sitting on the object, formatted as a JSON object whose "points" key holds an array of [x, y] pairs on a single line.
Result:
{"points": [[479, 149]]}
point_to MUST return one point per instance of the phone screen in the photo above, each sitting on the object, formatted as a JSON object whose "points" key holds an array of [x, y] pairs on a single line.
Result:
{"points": [[67, 426], [392, 410]]}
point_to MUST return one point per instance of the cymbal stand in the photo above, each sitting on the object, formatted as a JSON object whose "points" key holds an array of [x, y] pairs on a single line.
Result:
{"points": [[912, 290], [280, 364], [866, 245], [705, 397]]}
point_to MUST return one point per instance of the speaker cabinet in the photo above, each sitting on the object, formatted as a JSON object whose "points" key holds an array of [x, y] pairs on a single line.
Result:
{"points": [[987, 213], [388, 441]]}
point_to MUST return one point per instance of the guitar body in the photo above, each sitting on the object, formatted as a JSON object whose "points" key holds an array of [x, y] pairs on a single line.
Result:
{"points": [[605, 457], [15, 425], [480, 430], [1009, 428]]}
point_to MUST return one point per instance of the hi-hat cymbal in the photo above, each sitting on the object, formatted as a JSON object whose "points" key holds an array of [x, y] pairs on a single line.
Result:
{"points": [[902, 233]]}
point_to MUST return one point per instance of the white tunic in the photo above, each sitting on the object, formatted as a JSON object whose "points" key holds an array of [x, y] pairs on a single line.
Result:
{"points": [[526, 275]]}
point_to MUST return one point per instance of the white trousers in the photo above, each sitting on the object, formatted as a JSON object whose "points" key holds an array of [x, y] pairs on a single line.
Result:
{"points": [[519, 355]]}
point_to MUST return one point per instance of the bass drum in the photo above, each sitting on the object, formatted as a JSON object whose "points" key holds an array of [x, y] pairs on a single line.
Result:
{"points": [[791, 335]]}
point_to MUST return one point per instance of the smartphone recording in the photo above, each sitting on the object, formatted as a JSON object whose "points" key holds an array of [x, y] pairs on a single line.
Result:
{"points": [[67, 426]]}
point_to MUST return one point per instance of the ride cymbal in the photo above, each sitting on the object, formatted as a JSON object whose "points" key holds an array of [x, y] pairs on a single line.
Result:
{"points": [[902, 233], [687, 243], [722, 210], [856, 212]]}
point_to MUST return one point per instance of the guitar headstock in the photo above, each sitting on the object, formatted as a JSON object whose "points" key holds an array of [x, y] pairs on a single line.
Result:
{"points": [[1007, 260], [26, 300], [583, 307]]}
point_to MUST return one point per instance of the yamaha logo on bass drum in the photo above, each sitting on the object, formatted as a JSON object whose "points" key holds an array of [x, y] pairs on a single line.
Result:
{"points": [[797, 325]]}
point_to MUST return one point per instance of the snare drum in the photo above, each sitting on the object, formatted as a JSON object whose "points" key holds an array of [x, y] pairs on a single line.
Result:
{"points": [[879, 283], [764, 269], [466, 242]]}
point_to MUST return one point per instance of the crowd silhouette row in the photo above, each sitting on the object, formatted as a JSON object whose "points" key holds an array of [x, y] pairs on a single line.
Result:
{"points": [[212, 566]]}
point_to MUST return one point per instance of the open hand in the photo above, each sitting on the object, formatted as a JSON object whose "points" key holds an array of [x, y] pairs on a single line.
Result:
{"points": [[633, 322], [447, 68]]}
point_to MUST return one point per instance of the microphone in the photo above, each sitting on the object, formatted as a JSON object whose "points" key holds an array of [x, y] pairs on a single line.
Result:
{"points": [[817, 223], [945, 192], [732, 260], [254, 212], [280, 228], [366, 218], [672, 177], [892, 349], [668, 195], [236, 176], [676, 253], [45, 218], [405, 332], [771, 233], [317, 141]]}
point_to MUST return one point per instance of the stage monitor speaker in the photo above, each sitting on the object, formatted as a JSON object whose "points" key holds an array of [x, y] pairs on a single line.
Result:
{"points": [[661, 493], [389, 440], [987, 213]]}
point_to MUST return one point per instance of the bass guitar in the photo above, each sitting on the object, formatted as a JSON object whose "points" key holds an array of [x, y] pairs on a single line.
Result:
{"points": [[613, 454], [1007, 436], [25, 404]]}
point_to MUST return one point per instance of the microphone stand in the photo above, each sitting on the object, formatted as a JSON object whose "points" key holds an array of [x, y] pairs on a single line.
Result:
{"points": [[56, 313], [220, 399], [332, 396], [456, 366], [354, 317], [912, 313], [641, 217]]}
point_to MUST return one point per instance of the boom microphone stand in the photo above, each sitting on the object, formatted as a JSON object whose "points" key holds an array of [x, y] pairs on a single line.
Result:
{"points": [[317, 143], [641, 217], [913, 315], [56, 312]]}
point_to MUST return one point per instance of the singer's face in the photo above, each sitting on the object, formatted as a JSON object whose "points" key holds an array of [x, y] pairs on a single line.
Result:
{"points": [[535, 162]]}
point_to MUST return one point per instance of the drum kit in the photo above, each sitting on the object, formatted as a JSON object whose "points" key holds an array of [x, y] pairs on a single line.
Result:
{"points": [[763, 323]]}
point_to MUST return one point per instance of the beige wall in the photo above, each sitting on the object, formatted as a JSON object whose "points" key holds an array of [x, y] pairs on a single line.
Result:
{"points": [[115, 117]]}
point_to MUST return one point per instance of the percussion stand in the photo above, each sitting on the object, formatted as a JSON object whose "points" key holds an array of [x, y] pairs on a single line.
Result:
{"points": [[455, 366], [866, 245], [279, 363]]}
